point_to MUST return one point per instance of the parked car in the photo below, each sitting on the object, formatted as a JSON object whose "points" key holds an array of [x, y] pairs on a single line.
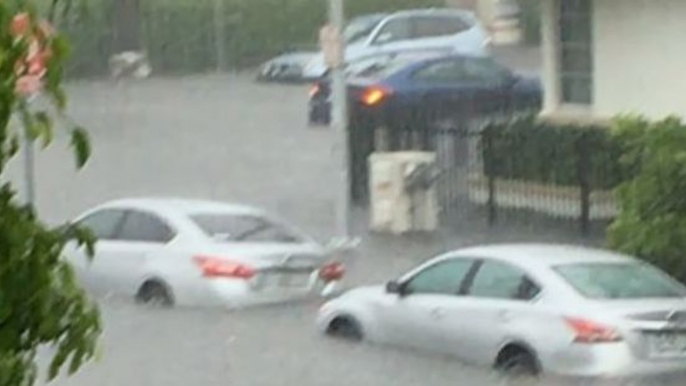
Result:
{"points": [[528, 309], [425, 87], [188, 252], [289, 67], [457, 31]]}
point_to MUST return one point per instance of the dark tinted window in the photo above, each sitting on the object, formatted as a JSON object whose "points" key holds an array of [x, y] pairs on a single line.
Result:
{"points": [[434, 26], [620, 281], [139, 226], [502, 281], [443, 278], [394, 30], [480, 70], [244, 228], [103, 223]]}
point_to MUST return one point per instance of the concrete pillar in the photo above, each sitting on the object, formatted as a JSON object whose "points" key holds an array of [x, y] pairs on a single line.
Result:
{"points": [[550, 48]]}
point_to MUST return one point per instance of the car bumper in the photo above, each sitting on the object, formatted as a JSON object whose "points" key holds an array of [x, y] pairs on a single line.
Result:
{"points": [[234, 294], [615, 362], [284, 73]]}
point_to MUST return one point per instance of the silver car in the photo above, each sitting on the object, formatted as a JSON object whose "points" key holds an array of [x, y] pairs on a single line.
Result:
{"points": [[200, 253], [528, 309]]}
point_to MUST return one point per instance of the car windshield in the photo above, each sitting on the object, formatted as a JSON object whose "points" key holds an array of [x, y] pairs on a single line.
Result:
{"points": [[244, 228], [361, 27], [620, 281]]}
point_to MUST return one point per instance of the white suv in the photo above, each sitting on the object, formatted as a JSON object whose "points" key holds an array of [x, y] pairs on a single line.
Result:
{"points": [[455, 31]]}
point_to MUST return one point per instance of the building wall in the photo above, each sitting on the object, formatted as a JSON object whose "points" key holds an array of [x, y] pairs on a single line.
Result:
{"points": [[639, 59]]}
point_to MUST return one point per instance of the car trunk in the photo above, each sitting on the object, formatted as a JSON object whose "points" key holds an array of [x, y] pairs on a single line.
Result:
{"points": [[655, 328], [276, 266]]}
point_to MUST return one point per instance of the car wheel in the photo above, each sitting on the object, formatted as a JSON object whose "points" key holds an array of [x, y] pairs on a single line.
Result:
{"points": [[345, 328], [155, 293], [517, 364]]}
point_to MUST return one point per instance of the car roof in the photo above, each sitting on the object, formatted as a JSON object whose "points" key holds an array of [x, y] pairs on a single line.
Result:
{"points": [[542, 255], [181, 205]]}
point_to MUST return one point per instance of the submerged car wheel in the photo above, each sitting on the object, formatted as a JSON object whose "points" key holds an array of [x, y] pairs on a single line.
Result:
{"points": [[155, 293], [345, 328], [517, 364]]}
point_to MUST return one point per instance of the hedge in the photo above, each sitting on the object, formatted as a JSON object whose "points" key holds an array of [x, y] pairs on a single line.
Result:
{"points": [[652, 219], [179, 34], [531, 150]]}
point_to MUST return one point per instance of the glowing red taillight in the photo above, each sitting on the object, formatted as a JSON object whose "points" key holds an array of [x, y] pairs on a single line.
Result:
{"points": [[591, 332], [332, 272], [374, 95], [213, 267]]}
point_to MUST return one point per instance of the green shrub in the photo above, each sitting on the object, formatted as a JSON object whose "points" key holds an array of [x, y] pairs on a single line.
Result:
{"points": [[179, 34], [530, 150], [652, 219]]}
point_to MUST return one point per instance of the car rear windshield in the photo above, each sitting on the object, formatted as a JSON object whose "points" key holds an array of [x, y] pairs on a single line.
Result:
{"points": [[244, 228], [620, 281], [382, 67]]}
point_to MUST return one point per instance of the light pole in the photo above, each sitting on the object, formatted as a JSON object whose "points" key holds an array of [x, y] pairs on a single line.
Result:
{"points": [[339, 117]]}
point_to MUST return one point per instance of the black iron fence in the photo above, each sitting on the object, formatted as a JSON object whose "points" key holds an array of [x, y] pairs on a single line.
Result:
{"points": [[510, 165]]}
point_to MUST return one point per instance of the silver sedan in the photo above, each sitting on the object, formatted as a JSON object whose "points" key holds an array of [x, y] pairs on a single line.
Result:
{"points": [[528, 309], [189, 252]]}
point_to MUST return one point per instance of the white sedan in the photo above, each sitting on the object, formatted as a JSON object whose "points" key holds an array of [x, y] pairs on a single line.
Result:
{"points": [[188, 252], [528, 309]]}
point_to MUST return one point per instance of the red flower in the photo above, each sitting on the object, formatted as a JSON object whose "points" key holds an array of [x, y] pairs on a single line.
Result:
{"points": [[21, 24]]}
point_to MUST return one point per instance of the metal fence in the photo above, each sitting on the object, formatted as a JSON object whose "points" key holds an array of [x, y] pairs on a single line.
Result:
{"points": [[504, 165]]}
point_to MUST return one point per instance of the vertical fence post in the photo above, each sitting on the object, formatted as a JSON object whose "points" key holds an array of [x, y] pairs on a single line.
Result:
{"points": [[489, 168], [583, 169]]}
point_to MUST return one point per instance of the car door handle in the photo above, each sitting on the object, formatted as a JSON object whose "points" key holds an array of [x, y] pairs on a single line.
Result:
{"points": [[438, 313]]}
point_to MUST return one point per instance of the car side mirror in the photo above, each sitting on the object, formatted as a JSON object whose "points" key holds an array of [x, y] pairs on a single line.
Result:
{"points": [[394, 287]]}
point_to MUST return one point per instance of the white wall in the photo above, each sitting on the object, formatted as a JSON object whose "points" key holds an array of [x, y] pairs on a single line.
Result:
{"points": [[639, 59]]}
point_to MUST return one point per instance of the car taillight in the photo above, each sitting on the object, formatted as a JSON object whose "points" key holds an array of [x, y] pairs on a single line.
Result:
{"points": [[591, 332], [332, 272], [315, 90], [374, 95], [213, 267]]}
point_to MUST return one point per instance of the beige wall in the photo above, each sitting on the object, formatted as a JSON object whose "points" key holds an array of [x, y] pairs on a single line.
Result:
{"points": [[639, 58]]}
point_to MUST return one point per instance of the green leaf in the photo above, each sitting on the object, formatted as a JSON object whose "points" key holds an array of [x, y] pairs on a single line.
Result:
{"points": [[81, 146], [44, 123], [13, 145]]}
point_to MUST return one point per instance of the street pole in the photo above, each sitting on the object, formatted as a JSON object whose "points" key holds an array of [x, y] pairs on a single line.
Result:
{"points": [[29, 171], [339, 121], [220, 35]]}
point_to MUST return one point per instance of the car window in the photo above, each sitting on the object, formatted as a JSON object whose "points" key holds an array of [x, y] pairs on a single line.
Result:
{"points": [[499, 280], [445, 278], [478, 70], [360, 28], [140, 226], [620, 281], [103, 223], [433, 26], [244, 228], [394, 30]]}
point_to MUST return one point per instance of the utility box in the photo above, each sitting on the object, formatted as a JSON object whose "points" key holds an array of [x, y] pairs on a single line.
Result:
{"points": [[402, 192]]}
